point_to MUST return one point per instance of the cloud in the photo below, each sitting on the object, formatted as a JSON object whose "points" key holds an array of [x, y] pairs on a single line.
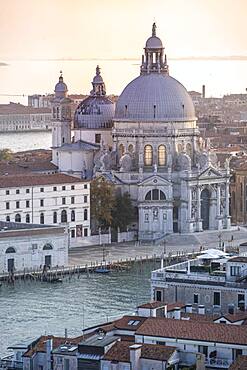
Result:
{"points": [[2, 64]]}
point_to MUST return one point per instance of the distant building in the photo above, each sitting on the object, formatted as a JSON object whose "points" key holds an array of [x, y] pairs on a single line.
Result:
{"points": [[55, 199], [17, 117], [30, 246], [219, 284], [238, 191]]}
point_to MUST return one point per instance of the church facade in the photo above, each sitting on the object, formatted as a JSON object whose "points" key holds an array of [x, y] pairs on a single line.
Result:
{"points": [[149, 145]]}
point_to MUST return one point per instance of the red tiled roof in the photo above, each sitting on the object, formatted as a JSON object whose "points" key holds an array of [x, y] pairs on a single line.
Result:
{"points": [[193, 330], [26, 167], [123, 323], [16, 108], [151, 305], [238, 259], [10, 181], [239, 364], [120, 352], [239, 316]]}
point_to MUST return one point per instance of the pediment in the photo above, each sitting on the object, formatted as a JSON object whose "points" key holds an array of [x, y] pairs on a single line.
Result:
{"points": [[210, 172], [155, 180]]}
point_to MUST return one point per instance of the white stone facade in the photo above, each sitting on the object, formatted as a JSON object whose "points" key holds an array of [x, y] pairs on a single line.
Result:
{"points": [[51, 199], [32, 246]]}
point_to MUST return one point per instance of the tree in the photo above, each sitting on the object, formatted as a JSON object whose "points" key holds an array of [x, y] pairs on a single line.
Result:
{"points": [[102, 202], [123, 213], [6, 154]]}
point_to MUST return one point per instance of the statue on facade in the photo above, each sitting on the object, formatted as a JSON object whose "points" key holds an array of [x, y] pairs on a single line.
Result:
{"points": [[125, 163]]}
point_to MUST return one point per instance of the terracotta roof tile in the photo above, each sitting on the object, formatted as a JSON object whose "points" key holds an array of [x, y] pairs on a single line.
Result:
{"points": [[120, 352], [129, 322], [193, 330], [10, 181], [239, 364]]}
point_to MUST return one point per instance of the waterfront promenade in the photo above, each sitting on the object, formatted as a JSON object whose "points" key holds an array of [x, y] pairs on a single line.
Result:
{"points": [[175, 244]]}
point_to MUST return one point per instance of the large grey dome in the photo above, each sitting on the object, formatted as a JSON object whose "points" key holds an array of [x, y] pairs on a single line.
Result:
{"points": [[155, 97]]}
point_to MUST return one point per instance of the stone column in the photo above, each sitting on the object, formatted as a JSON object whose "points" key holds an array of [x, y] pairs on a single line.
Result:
{"points": [[141, 147], [199, 221], [218, 213], [228, 218]]}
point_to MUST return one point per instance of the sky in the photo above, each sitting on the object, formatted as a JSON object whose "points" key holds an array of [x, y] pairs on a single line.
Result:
{"points": [[53, 29]]}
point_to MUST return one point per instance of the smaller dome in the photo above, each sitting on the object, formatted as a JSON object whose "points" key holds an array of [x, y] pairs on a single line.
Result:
{"points": [[61, 88], [154, 42]]}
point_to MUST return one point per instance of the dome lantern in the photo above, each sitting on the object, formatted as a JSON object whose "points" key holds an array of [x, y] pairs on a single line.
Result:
{"points": [[61, 87], [154, 60], [98, 84]]}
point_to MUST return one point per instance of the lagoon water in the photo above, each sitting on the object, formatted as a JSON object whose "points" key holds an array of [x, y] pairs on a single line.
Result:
{"points": [[30, 309]]}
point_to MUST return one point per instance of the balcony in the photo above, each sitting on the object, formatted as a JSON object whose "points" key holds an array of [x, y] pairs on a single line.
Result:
{"points": [[218, 363]]}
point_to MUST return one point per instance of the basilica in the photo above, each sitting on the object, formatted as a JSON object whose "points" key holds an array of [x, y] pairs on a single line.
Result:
{"points": [[149, 145]]}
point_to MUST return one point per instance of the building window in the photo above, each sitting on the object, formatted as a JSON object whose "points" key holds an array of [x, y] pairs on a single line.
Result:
{"points": [[72, 200], [41, 202], [28, 218], [17, 191], [162, 155], [63, 200], [42, 218], [158, 295], [42, 190], [121, 150], [27, 203], [7, 205], [189, 150], [72, 233], [85, 214], [85, 198], [85, 232], [97, 138], [148, 155], [72, 215], [204, 350], [17, 217], [72, 187], [241, 302], [85, 186], [155, 194], [17, 204], [10, 250], [235, 270], [27, 191], [54, 188], [54, 217], [64, 216], [7, 192], [7, 218], [63, 187], [196, 298], [216, 298]]}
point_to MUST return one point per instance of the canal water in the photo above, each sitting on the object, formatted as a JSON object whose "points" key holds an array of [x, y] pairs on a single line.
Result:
{"points": [[30, 309]]}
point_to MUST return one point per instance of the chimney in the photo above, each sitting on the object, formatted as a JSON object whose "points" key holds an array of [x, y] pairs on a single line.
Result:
{"points": [[203, 91], [153, 312], [165, 310], [188, 269], [49, 347], [177, 313], [201, 309], [188, 308], [135, 354]]}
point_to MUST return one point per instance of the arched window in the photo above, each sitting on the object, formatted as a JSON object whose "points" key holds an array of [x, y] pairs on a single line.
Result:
{"points": [[28, 218], [189, 149], [18, 218], [179, 148], [72, 215], [130, 148], [121, 150], [47, 247], [63, 216], [42, 218], [155, 194], [54, 112], [148, 155], [57, 112], [10, 250], [85, 214], [7, 218], [54, 217], [162, 155]]}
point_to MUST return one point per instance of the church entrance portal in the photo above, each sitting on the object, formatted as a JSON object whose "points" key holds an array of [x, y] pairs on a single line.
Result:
{"points": [[205, 205]]}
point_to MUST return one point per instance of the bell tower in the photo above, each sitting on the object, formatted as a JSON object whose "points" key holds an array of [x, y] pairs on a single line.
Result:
{"points": [[61, 118]]}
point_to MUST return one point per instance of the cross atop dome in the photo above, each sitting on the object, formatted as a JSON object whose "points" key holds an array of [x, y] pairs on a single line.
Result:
{"points": [[154, 29], [154, 60]]}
